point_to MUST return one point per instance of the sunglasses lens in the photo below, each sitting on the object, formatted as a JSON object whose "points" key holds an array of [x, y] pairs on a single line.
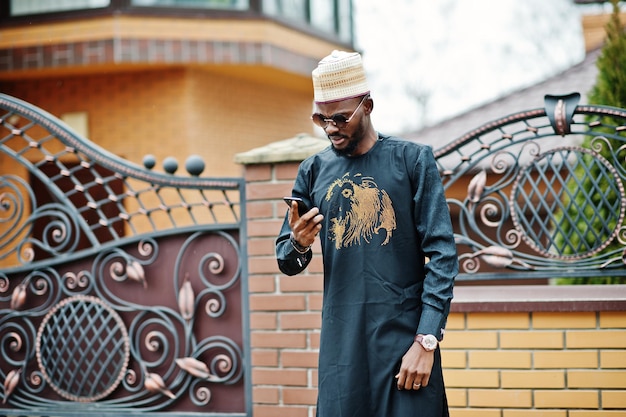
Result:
{"points": [[318, 119], [340, 120]]}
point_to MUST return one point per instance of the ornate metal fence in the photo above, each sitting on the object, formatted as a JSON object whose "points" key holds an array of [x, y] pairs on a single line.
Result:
{"points": [[121, 289], [540, 193]]}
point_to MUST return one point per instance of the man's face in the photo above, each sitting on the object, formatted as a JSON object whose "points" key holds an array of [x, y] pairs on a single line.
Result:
{"points": [[345, 140]]}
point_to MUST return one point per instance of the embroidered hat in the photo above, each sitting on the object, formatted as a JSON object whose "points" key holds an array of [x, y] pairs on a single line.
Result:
{"points": [[339, 76]]}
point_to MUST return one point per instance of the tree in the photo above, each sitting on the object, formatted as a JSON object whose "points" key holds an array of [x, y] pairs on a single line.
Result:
{"points": [[610, 86], [609, 90]]}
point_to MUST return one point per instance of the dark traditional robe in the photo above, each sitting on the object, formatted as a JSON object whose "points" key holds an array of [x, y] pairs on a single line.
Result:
{"points": [[384, 214]]}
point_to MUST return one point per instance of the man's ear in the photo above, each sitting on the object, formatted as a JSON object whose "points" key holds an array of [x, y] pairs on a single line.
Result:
{"points": [[369, 105]]}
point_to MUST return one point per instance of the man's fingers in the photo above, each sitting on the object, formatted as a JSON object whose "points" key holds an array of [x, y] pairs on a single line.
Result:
{"points": [[398, 382]]}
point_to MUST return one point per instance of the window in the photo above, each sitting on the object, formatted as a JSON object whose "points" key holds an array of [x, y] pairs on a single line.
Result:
{"points": [[330, 16], [28, 7], [197, 4], [323, 15], [291, 9], [345, 20], [326, 17]]}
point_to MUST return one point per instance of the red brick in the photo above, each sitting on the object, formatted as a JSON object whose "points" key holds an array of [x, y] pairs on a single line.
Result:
{"points": [[263, 265], [263, 246], [300, 321], [262, 302], [314, 340], [263, 321], [281, 209], [278, 340], [286, 171], [301, 396], [264, 228], [259, 210], [299, 358], [260, 172], [301, 283], [265, 395], [275, 411], [315, 302], [264, 357], [265, 190], [262, 283], [287, 377]]}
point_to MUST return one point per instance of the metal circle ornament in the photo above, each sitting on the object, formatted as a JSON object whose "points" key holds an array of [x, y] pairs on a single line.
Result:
{"points": [[82, 349], [583, 190]]}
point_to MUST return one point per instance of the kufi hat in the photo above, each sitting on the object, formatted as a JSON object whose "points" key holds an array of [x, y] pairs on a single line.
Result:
{"points": [[339, 76]]}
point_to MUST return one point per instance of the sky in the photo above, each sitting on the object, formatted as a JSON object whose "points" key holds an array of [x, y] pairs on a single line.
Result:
{"points": [[427, 61]]}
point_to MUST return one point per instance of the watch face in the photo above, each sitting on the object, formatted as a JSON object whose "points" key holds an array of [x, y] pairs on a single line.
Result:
{"points": [[429, 342]]}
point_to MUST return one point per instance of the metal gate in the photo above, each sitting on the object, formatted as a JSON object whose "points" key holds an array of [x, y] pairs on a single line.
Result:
{"points": [[121, 289], [540, 193]]}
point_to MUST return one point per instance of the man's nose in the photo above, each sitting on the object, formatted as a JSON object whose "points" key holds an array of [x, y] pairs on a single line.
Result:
{"points": [[330, 127]]}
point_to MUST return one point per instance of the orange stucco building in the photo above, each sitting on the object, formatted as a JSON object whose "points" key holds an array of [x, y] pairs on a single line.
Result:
{"points": [[162, 78]]}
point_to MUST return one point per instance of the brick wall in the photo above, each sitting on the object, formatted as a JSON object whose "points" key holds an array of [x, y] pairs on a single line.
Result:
{"points": [[556, 364], [284, 311], [503, 356], [173, 112]]}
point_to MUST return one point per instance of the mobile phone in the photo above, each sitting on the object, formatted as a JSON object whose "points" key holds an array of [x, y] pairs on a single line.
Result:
{"points": [[302, 208]]}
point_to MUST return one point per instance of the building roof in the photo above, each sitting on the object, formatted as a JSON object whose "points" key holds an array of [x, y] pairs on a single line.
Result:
{"points": [[579, 78]]}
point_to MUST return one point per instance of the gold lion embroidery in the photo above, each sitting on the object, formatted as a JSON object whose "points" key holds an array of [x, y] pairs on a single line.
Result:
{"points": [[369, 211]]}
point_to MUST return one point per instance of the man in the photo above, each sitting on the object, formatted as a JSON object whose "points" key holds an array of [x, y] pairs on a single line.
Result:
{"points": [[378, 204]]}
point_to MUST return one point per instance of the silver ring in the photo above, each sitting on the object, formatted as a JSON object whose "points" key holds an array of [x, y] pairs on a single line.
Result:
{"points": [[417, 385]]}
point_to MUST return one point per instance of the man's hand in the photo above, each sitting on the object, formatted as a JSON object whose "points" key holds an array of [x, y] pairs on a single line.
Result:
{"points": [[308, 226], [415, 369]]}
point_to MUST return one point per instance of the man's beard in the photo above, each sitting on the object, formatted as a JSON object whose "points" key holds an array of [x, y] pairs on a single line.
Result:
{"points": [[356, 139], [348, 150]]}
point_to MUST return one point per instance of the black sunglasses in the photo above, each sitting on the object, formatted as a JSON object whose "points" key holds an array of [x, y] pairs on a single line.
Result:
{"points": [[338, 120]]}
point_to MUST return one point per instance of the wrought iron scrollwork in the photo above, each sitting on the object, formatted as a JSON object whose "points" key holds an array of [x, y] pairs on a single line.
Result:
{"points": [[120, 288], [91, 346], [537, 203], [96, 200], [82, 349]]}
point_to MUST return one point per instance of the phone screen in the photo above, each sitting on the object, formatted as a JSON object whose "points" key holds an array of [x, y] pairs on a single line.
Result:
{"points": [[302, 208]]}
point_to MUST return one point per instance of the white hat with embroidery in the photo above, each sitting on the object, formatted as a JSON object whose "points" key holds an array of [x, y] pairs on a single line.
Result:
{"points": [[339, 76]]}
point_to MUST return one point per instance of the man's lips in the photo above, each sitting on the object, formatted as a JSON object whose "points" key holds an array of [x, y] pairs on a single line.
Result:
{"points": [[337, 140]]}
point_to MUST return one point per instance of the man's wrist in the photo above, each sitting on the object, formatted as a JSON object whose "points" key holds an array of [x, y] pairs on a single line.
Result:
{"points": [[298, 247], [428, 341]]}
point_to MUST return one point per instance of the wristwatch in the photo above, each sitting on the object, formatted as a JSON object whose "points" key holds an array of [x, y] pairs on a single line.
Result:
{"points": [[428, 341]]}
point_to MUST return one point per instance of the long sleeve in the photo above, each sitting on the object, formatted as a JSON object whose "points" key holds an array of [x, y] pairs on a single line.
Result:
{"points": [[434, 228], [290, 261]]}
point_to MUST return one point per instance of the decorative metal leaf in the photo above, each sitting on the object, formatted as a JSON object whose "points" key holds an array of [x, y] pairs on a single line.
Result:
{"points": [[154, 383], [135, 271], [496, 256], [195, 367], [18, 298], [186, 300], [476, 187], [11, 381]]}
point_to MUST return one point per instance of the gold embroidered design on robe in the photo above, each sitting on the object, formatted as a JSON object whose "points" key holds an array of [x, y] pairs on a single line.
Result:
{"points": [[369, 211]]}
